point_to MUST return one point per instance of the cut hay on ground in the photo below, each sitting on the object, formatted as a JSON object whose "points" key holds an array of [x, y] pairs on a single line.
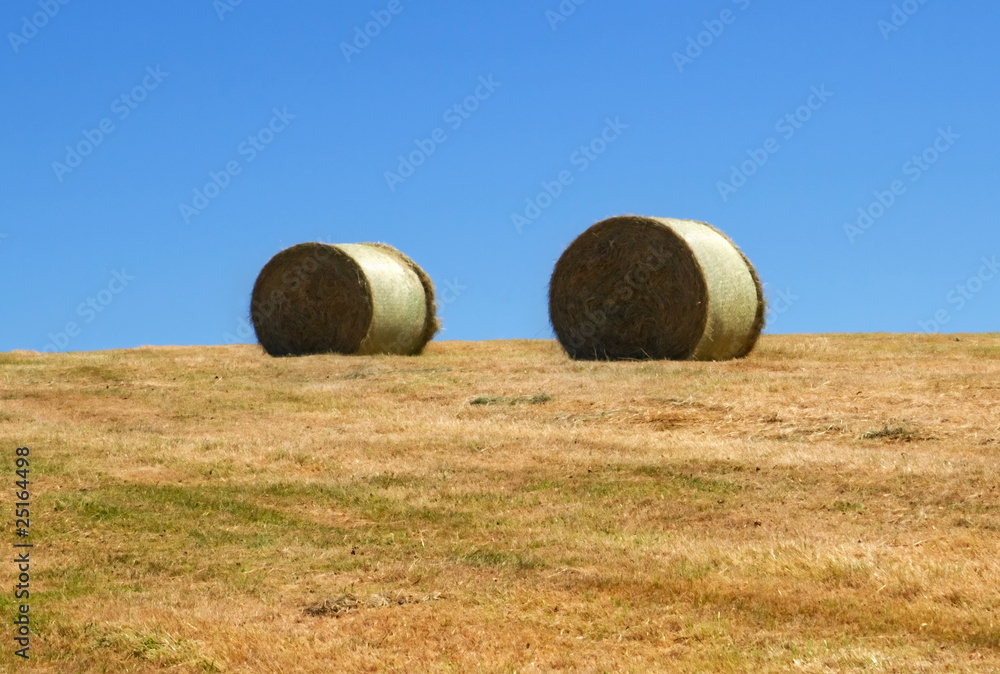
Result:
{"points": [[633, 287], [360, 298]]}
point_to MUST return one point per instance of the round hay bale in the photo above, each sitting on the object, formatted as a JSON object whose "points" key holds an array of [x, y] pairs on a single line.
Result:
{"points": [[633, 287], [359, 298]]}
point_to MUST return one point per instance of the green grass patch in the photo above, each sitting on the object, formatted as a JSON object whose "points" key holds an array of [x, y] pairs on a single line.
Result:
{"points": [[684, 481], [989, 352], [536, 399], [847, 506], [887, 432], [501, 560], [92, 372], [150, 648]]}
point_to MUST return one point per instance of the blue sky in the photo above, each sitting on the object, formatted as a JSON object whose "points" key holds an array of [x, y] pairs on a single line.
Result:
{"points": [[849, 148]]}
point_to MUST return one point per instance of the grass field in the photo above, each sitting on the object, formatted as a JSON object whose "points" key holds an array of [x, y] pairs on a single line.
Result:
{"points": [[829, 503]]}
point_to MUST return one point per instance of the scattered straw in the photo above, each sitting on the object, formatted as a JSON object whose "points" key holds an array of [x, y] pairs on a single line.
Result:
{"points": [[536, 399]]}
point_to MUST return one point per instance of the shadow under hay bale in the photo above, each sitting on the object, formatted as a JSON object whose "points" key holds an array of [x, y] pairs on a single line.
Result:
{"points": [[633, 287], [360, 298]]}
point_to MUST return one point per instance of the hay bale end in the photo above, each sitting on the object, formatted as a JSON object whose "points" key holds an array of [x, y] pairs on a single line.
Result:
{"points": [[360, 298], [634, 287]]}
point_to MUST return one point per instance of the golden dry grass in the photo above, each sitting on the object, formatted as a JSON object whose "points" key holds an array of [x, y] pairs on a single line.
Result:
{"points": [[829, 503]]}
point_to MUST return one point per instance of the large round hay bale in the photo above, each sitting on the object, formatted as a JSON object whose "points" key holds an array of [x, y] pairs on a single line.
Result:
{"points": [[359, 298], [633, 287]]}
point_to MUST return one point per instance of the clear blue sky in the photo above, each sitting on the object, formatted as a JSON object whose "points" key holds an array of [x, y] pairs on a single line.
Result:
{"points": [[202, 82]]}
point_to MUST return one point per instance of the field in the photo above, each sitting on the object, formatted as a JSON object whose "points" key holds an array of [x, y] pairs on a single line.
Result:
{"points": [[829, 503]]}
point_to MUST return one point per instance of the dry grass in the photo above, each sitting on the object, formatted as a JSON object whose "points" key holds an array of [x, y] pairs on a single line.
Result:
{"points": [[829, 503]]}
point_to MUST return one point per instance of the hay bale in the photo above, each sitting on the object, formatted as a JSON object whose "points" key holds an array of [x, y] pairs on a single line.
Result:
{"points": [[633, 287], [348, 298]]}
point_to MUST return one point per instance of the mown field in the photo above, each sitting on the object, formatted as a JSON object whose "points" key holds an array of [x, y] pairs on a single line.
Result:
{"points": [[830, 503]]}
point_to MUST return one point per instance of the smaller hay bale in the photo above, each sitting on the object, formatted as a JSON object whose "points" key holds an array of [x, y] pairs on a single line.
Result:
{"points": [[358, 299], [633, 287]]}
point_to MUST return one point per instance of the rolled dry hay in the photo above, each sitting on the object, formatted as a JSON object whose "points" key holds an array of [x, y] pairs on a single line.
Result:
{"points": [[632, 287], [359, 298]]}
